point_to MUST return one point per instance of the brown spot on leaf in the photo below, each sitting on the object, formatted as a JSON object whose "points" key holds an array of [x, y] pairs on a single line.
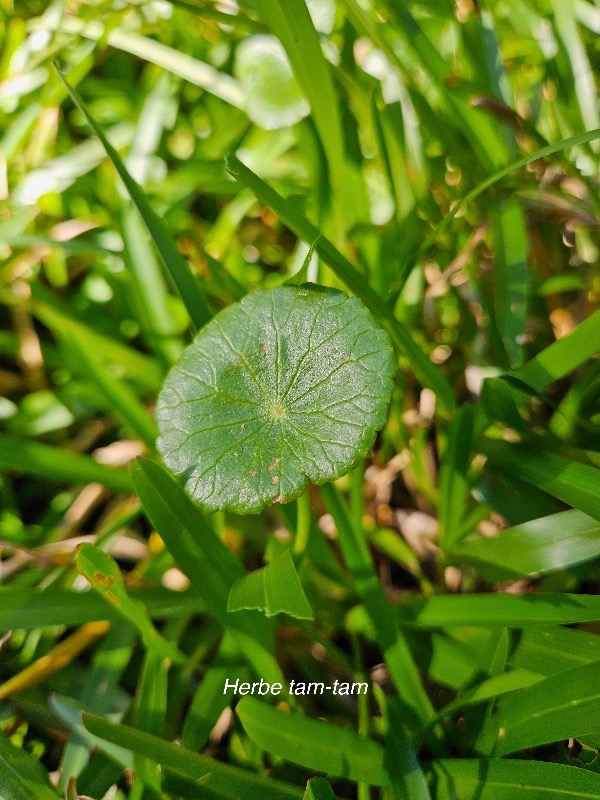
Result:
{"points": [[112, 598], [272, 466]]}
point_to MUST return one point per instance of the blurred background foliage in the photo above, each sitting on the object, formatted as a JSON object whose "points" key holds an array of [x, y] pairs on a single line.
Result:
{"points": [[374, 121]]}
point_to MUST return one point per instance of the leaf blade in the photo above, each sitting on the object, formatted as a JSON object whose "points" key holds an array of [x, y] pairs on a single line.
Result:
{"points": [[105, 577], [188, 287], [59, 465], [425, 371], [231, 781], [313, 743], [274, 589], [499, 779]]}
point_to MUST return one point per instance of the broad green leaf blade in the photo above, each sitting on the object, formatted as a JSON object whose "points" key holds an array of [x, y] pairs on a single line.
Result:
{"points": [[543, 545], [29, 609], [498, 779], [313, 743], [23, 777], [493, 687], [104, 575], [563, 706], [187, 285], [490, 610], [563, 356], [570, 481], [58, 465], [222, 778], [274, 99], [547, 651], [210, 566], [274, 589], [425, 371], [289, 385], [319, 789]]}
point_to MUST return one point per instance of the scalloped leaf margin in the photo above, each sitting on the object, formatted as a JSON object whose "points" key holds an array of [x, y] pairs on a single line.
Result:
{"points": [[288, 386]]}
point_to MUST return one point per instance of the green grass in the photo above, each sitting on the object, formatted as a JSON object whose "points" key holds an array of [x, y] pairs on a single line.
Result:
{"points": [[436, 160]]}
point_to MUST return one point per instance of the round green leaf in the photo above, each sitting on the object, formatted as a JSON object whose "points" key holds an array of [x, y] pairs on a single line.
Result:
{"points": [[274, 99], [286, 387]]}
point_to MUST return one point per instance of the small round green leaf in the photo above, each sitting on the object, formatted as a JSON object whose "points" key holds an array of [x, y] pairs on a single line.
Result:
{"points": [[274, 99], [286, 387]]}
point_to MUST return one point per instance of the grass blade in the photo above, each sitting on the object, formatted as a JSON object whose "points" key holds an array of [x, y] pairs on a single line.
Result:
{"points": [[180, 64], [28, 609], [139, 369], [512, 277], [498, 779], [319, 789], [105, 577], [210, 566], [151, 714], [491, 610], [563, 706], [454, 484], [395, 648], [313, 743], [120, 401], [187, 285], [292, 24], [563, 356], [274, 589], [209, 702], [572, 482], [407, 779], [538, 547], [425, 371], [483, 137], [58, 465], [236, 20], [564, 144], [583, 74], [230, 781], [23, 777]]}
